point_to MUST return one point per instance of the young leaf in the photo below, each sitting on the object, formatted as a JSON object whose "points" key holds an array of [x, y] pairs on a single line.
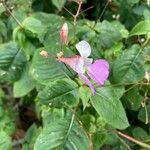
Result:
{"points": [[106, 102], [143, 27], [85, 95]]}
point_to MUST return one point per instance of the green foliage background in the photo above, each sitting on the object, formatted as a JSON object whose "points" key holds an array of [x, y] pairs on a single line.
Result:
{"points": [[58, 109]]}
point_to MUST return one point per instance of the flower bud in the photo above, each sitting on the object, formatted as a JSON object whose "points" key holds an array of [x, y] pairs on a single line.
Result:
{"points": [[64, 34]]}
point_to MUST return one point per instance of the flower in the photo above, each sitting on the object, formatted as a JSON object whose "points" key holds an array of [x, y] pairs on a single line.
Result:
{"points": [[98, 71], [64, 34]]}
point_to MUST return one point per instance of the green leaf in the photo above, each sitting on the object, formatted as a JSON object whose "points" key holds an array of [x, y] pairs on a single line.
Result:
{"points": [[143, 115], [35, 28], [141, 28], [85, 95], [99, 138], [134, 98], [46, 70], [63, 133], [59, 3], [109, 34], [24, 85], [139, 133], [30, 137], [62, 91], [12, 60], [106, 102], [129, 67], [5, 141]]}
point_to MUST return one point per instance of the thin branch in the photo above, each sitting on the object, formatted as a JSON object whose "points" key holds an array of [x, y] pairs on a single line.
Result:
{"points": [[101, 14], [133, 140], [86, 9], [78, 12], [17, 21]]}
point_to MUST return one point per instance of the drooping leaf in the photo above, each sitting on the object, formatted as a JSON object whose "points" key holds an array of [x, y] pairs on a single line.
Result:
{"points": [[63, 133], [24, 85], [106, 102], [143, 27], [12, 60], [129, 68], [5, 141], [62, 91]]}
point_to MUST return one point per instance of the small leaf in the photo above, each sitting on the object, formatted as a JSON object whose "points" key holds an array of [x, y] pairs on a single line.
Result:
{"points": [[24, 85], [141, 28], [85, 95], [62, 91], [129, 68], [106, 102], [63, 133], [59, 3]]}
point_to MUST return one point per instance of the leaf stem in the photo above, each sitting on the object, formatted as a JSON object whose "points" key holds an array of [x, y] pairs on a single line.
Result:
{"points": [[133, 140]]}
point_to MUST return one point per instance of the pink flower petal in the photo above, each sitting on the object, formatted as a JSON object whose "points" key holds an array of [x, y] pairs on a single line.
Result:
{"points": [[99, 71], [87, 82], [76, 63]]}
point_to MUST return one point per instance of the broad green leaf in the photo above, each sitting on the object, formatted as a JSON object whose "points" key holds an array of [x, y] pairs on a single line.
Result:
{"points": [[34, 28], [106, 102], [59, 3], [12, 60], [141, 28], [85, 95], [46, 70], [62, 91], [5, 141], [62, 134], [129, 68], [24, 85]]}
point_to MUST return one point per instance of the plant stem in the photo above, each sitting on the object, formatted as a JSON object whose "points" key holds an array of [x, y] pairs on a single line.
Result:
{"points": [[133, 140], [17, 21]]}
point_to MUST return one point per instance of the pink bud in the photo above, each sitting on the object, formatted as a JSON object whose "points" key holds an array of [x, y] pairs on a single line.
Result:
{"points": [[64, 34]]}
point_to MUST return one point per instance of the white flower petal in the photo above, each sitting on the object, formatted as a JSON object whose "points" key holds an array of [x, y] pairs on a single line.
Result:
{"points": [[83, 48]]}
